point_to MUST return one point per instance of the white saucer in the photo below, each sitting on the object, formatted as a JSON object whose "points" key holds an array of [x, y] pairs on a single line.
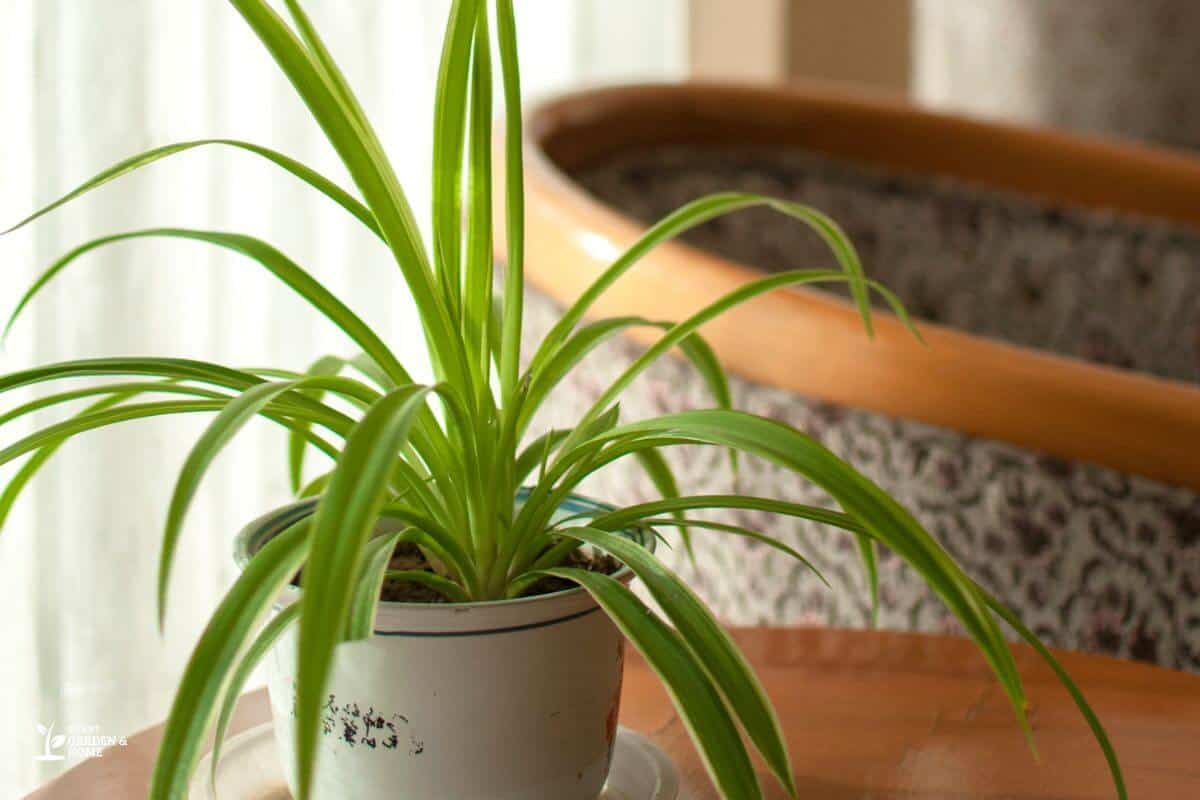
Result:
{"points": [[249, 770]]}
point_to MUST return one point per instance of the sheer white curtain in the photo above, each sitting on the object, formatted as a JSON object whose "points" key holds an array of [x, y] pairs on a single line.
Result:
{"points": [[86, 82]]}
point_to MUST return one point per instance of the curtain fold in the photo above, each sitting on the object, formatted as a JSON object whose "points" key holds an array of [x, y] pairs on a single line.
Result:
{"points": [[87, 82]]}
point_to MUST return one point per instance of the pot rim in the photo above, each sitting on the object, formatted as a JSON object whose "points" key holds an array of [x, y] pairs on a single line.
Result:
{"points": [[1038, 400], [262, 529]]}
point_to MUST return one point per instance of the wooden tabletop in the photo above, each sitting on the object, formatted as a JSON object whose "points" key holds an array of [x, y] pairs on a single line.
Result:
{"points": [[880, 715]]}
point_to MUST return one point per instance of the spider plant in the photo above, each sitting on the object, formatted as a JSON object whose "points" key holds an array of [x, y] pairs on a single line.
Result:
{"points": [[448, 459]]}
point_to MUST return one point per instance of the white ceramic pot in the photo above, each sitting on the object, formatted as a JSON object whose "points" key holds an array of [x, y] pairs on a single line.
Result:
{"points": [[512, 700]]}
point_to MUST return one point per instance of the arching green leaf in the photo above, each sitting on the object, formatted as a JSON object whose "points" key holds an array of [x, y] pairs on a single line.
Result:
{"points": [[699, 704], [715, 652], [212, 662], [344, 519], [125, 166]]}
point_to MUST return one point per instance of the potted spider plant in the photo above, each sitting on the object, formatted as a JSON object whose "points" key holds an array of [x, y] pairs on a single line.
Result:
{"points": [[492, 665]]}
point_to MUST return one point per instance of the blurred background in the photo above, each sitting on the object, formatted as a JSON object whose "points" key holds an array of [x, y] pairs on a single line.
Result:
{"points": [[84, 83]]}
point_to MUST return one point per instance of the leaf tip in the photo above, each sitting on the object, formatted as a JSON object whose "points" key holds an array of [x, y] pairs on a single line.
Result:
{"points": [[8, 326]]}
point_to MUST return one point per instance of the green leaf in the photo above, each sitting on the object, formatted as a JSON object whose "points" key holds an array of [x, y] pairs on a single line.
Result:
{"points": [[739, 530], [128, 388], [543, 501], [99, 419], [328, 95], [430, 444], [18, 482], [554, 556], [661, 475], [697, 213], [449, 136], [233, 417], [433, 536], [31, 467], [208, 670], [297, 445], [353, 136], [182, 369], [265, 255], [699, 704], [636, 514], [178, 369], [1089, 715], [477, 306], [377, 554], [584, 341], [344, 520], [448, 588], [868, 553], [602, 424], [304, 173], [370, 368], [700, 353], [55, 434], [428, 438], [536, 453], [880, 516], [315, 486], [713, 648], [689, 326], [261, 645], [117, 394], [334, 108], [514, 203]]}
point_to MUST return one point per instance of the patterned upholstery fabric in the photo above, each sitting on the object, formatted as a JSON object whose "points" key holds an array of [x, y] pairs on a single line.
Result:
{"points": [[1091, 559]]}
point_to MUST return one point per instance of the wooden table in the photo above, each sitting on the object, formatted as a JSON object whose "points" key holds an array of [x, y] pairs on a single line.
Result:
{"points": [[880, 715]]}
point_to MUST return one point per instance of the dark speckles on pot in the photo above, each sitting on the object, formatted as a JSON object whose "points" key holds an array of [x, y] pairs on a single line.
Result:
{"points": [[370, 729]]}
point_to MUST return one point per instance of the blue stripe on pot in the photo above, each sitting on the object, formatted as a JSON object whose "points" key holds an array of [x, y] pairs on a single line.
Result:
{"points": [[489, 631]]}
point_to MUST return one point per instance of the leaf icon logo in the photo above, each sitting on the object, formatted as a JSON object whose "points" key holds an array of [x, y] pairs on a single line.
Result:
{"points": [[50, 743]]}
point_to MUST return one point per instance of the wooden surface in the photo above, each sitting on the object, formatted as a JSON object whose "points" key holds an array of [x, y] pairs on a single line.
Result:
{"points": [[811, 342], [879, 715]]}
